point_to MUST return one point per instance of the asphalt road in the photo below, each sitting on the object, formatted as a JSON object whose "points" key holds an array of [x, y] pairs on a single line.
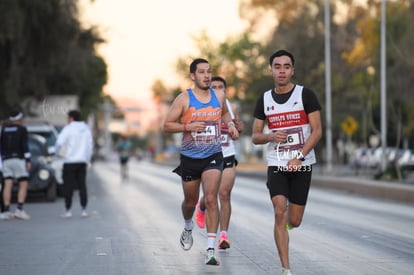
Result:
{"points": [[134, 228]]}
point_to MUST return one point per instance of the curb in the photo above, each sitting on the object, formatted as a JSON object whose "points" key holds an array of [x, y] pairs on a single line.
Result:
{"points": [[379, 189], [389, 190], [394, 191]]}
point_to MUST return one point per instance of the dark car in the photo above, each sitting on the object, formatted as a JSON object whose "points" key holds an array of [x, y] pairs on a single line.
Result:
{"points": [[50, 132], [42, 177]]}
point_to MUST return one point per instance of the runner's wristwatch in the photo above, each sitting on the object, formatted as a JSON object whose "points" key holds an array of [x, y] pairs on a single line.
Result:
{"points": [[300, 156]]}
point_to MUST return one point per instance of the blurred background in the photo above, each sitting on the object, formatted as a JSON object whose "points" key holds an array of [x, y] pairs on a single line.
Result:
{"points": [[123, 62]]}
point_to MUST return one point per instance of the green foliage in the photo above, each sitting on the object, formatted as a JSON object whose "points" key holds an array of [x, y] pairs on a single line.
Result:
{"points": [[240, 61], [355, 62], [160, 92], [46, 51]]}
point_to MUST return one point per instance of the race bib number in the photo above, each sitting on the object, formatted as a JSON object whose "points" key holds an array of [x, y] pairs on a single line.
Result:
{"points": [[208, 135], [225, 139], [294, 141]]}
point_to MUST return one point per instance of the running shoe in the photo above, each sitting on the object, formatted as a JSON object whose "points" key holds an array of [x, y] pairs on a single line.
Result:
{"points": [[6, 216], [67, 215], [84, 214], [211, 258], [21, 214], [200, 216], [287, 272], [223, 242], [289, 227], [186, 239]]}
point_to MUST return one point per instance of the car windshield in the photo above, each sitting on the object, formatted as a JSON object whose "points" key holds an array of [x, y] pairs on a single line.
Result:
{"points": [[49, 136], [35, 148]]}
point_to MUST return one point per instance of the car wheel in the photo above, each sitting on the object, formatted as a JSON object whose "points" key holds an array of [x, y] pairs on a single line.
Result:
{"points": [[51, 192]]}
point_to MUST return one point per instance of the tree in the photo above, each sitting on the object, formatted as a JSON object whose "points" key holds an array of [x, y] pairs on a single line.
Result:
{"points": [[363, 58], [160, 93], [298, 26], [46, 51], [239, 59], [355, 55]]}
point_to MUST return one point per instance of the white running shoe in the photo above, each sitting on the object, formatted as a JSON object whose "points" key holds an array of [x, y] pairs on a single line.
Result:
{"points": [[211, 258], [67, 215], [6, 216], [186, 239], [84, 214], [287, 272], [21, 214]]}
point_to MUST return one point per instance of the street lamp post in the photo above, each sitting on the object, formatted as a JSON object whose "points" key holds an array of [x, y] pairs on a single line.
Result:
{"points": [[328, 87], [108, 110], [383, 87]]}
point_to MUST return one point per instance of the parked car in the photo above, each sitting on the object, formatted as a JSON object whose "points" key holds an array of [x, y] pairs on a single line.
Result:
{"points": [[406, 163], [41, 176], [49, 132], [46, 130], [406, 159], [362, 158]]}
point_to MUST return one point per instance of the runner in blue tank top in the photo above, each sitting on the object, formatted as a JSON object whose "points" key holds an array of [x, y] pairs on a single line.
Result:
{"points": [[198, 113]]}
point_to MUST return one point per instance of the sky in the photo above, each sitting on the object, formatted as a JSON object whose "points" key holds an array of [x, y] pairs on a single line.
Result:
{"points": [[145, 38]]}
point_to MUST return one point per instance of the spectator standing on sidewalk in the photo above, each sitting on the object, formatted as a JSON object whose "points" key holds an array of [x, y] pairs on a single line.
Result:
{"points": [[75, 144], [292, 114], [16, 164], [229, 171], [1, 186], [198, 113]]}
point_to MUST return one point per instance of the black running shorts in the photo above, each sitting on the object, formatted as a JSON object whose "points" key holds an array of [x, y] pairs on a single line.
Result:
{"points": [[230, 162], [191, 169], [123, 160], [293, 185]]}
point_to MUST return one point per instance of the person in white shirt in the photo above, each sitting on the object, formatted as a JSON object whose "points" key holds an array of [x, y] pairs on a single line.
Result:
{"points": [[75, 144], [1, 186], [229, 170]]}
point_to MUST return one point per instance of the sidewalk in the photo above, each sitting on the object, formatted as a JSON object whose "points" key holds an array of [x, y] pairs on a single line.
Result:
{"points": [[341, 178], [344, 179]]}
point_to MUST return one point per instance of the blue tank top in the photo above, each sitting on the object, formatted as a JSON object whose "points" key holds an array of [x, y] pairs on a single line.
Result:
{"points": [[208, 142]]}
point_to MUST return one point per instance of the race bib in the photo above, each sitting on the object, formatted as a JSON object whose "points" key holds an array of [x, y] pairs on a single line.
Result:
{"points": [[208, 135], [294, 141], [225, 139]]}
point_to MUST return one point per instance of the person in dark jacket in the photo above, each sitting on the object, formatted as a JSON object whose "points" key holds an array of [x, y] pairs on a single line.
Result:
{"points": [[15, 156]]}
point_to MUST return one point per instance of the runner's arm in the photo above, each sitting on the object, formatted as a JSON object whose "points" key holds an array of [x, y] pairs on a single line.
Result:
{"points": [[316, 132], [172, 124], [258, 137]]}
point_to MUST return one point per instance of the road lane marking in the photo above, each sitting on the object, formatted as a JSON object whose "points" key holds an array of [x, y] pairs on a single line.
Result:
{"points": [[103, 247]]}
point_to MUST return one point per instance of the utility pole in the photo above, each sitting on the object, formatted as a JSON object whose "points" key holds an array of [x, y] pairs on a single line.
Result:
{"points": [[328, 86], [383, 87], [108, 110]]}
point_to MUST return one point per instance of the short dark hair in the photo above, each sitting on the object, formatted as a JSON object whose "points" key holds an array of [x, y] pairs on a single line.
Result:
{"points": [[281, 53], [219, 78], [193, 65], [75, 115]]}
